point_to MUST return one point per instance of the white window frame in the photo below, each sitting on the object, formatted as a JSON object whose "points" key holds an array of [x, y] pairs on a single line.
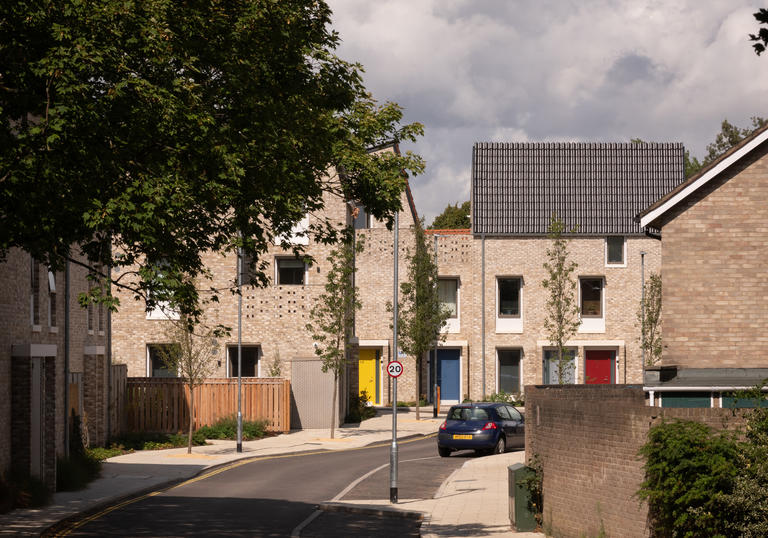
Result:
{"points": [[519, 366], [298, 235], [453, 324], [509, 324], [228, 368], [278, 259], [623, 263], [592, 324]]}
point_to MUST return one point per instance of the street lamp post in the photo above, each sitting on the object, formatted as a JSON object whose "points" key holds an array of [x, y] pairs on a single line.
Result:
{"points": [[393, 450], [239, 348]]}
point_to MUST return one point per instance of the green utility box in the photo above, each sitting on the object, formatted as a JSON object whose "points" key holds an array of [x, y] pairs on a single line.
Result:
{"points": [[520, 515]]}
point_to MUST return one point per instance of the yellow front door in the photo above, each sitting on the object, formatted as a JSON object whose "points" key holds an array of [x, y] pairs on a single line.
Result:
{"points": [[368, 371]]}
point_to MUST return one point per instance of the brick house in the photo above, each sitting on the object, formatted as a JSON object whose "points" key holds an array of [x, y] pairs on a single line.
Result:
{"points": [[274, 317], [715, 281], [491, 276], [53, 362]]}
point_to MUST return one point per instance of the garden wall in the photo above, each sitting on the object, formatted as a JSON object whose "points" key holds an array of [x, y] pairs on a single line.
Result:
{"points": [[587, 438]]}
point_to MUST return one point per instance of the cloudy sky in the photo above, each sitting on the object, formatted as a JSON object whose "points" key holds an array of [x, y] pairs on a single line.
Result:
{"points": [[553, 70]]}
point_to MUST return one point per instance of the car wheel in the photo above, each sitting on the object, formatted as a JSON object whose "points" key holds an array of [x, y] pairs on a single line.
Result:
{"points": [[501, 446], [443, 451]]}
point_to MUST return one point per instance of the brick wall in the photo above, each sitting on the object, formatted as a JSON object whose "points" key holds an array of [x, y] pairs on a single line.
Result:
{"points": [[17, 329], [587, 438], [715, 274]]}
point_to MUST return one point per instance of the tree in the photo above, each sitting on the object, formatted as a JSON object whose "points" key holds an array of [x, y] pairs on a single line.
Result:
{"points": [[649, 318], [453, 217], [167, 129], [761, 37], [562, 315], [332, 316], [420, 315], [191, 355], [729, 136], [691, 164]]}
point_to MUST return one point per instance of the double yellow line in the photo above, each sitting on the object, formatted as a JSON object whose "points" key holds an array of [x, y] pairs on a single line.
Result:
{"points": [[213, 472]]}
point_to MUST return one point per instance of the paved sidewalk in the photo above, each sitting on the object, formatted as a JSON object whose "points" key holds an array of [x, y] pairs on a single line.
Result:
{"points": [[473, 501]]}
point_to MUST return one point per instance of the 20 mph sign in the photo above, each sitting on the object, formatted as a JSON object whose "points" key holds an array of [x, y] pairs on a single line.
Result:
{"points": [[394, 369]]}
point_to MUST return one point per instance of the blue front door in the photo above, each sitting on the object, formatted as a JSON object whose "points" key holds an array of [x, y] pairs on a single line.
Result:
{"points": [[448, 373]]}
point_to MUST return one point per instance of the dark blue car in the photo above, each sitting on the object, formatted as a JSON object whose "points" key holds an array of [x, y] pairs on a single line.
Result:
{"points": [[487, 428]]}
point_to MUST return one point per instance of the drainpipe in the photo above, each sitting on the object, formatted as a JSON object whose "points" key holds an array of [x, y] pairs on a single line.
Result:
{"points": [[642, 308], [66, 358], [437, 337], [109, 363], [482, 311]]}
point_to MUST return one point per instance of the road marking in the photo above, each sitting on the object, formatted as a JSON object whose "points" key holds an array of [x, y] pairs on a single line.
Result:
{"points": [[296, 533], [77, 524]]}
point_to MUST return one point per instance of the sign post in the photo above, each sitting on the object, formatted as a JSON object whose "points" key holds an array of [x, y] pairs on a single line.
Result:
{"points": [[393, 448]]}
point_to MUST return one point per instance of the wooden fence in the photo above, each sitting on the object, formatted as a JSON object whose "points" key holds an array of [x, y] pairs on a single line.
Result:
{"points": [[162, 404]]}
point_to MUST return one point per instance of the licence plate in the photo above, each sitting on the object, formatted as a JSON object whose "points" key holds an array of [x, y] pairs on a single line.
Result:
{"points": [[462, 437]]}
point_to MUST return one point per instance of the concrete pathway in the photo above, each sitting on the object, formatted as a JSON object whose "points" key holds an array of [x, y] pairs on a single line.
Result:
{"points": [[471, 502]]}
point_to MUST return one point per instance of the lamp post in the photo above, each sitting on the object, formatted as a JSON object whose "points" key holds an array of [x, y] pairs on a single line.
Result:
{"points": [[239, 348], [393, 449]]}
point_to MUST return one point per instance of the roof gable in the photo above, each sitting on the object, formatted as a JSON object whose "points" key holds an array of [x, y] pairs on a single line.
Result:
{"points": [[596, 187], [654, 215]]}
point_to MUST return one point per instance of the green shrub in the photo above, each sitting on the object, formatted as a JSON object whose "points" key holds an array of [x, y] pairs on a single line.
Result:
{"points": [[506, 397], [226, 428], [21, 490], [76, 472], [154, 441], [412, 403], [690, 472], [359, 410], [101, 453]]}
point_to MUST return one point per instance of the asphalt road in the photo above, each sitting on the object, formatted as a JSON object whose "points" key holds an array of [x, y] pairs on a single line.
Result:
{"points": [[273, 495]]}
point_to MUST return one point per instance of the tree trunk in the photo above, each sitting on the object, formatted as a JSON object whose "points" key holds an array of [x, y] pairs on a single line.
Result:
{"points": [[333, 402], [418, 388], [191, 417]]}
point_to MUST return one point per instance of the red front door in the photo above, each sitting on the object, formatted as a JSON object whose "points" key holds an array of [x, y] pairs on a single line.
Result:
{"points": [[599, 366]]}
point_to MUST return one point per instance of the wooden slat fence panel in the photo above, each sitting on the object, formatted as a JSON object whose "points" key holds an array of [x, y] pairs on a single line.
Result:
{"points": [[162, 404], [117, 395]]}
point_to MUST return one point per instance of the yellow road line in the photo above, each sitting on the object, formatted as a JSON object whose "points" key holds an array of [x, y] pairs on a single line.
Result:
{"points": [[218, 470]]}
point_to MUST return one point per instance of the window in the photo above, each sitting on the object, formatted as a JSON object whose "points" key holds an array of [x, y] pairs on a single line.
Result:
{"points": [[290, 272], [35, 291], [51, 299], [249, 360], [509, 297], [614, 250], [448, 294], [363, 219], [591, 297], [509, 370], [155, 363], [551, 367]]}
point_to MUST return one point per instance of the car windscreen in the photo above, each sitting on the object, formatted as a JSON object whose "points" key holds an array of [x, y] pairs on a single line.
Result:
{"points": [[467, 413]]}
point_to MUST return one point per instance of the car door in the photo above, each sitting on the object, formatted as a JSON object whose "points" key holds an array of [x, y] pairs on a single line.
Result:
{"points": [[507, 426], [517, 437]]}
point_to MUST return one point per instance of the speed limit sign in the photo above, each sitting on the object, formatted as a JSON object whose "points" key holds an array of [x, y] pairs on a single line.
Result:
{"points": [[394, 369]]}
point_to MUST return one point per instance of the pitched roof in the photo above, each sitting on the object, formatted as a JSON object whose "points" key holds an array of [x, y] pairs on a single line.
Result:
{"points": [[653, 215], [596, 187]]}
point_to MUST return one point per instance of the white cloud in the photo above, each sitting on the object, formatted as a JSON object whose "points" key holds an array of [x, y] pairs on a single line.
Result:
{"points": [[480, 70]]}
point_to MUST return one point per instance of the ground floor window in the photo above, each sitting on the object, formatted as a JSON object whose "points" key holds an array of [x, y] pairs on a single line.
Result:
{"points": [[155, 362], [249, 360], [686, 399], [509, 370], [551, 367]]}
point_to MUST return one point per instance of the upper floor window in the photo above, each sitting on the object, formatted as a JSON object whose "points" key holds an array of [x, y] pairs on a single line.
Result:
{"points": [[509, 297], [34, 285], [290, 271], [362, 220], [614, 250], [591, 297], [448, 294], [51, 299]]}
